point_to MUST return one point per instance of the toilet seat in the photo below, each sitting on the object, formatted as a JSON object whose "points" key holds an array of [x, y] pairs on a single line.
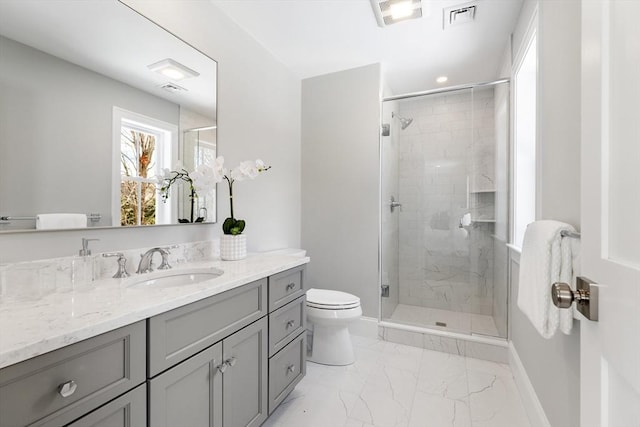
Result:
{"points": [[324, 299]]}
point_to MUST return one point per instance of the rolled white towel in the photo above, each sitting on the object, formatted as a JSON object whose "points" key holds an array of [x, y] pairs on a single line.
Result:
{"points": [[546, 258], [60, 220]]}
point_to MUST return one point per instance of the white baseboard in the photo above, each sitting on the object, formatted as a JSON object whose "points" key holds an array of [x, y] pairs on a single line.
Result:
{"points": [[365, 327], [530, 399]]}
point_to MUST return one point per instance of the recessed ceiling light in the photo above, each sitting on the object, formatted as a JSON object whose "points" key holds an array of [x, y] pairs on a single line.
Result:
{"points": [[173, 70], [400, 9], [389, 12], [442, 79]]}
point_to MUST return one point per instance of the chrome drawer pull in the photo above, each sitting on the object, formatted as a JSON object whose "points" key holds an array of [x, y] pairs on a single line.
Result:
{"points": [[290, 286], [290, 323], [67, 389], [291, 368], [222, 367]]}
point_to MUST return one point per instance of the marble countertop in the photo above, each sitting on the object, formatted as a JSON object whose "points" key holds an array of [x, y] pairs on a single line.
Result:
{"points": [[28, 329]]}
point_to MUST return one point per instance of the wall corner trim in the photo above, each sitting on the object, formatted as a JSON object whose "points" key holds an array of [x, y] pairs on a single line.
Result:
{"points": [[530, 400]]}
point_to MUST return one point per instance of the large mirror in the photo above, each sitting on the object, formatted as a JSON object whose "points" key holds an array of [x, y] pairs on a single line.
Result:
{"points": [[96, 104]]}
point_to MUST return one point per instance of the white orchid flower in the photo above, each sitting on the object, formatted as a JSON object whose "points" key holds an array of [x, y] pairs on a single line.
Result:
{"points": [[246, 169]]}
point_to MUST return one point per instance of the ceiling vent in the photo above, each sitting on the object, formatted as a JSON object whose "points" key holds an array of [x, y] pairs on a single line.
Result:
{"points": [[389, 12], [172, 87], [457, 15]]}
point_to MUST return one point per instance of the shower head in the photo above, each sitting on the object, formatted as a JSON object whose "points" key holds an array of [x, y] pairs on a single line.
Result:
{"points": [[404, 123]]}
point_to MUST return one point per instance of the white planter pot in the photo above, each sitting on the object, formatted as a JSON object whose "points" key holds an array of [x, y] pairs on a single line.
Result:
{"points": [[233, 247]]}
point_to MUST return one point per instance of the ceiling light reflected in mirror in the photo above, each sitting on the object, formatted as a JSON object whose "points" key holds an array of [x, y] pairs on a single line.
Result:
{"points": [[173, 69]]}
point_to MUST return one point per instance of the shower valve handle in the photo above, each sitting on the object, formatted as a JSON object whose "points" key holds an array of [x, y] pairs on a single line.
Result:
{"points": [[393, 204]]}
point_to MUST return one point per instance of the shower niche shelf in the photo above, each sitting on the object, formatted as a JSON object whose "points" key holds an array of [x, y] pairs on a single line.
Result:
{"points": [[482, 206]]}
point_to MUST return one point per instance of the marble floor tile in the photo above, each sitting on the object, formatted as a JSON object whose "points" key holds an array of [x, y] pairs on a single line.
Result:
{"points": [[444, 375], [493, 396], [436, 411], [393, 385]]}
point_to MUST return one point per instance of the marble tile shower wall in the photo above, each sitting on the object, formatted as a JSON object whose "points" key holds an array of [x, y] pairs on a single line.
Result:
{"points": [[446, 166], [34, 279]]}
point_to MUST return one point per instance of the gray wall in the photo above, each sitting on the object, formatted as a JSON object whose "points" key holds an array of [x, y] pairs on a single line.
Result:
{"points": [[340, 179], [559, 44], [553, 365], [258, 117]]}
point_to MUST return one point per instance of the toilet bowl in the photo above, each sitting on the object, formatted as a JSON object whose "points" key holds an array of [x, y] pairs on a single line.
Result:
{"points": [[328, 315]]}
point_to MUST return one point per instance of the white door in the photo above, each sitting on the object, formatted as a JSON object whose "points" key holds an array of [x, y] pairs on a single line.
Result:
{"points": [[610, 348]]}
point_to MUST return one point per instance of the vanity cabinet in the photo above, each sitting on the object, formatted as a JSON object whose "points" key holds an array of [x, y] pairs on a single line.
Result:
{"points": [[224, 361], [57, 388]]}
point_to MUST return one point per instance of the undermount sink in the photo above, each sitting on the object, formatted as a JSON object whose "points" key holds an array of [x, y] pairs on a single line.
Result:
{"points": [[169, 278]]}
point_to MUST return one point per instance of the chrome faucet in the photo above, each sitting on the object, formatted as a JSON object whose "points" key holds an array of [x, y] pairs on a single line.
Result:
{"points": [[146, 266]]}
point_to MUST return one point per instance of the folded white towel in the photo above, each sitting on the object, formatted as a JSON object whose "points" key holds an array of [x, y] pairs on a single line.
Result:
{"points": [[60, 220], [546, 258]]}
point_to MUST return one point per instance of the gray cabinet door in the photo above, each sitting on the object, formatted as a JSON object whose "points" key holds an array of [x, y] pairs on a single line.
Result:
{"points": [[128, 410], [189, 394], [245, 379]]}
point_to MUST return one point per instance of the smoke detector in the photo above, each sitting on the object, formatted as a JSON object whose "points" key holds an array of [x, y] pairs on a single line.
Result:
{"points": [[457, 15]]}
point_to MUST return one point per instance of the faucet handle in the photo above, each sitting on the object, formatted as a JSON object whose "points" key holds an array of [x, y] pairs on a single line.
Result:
{"points": [[164, 265], [122, 264]]}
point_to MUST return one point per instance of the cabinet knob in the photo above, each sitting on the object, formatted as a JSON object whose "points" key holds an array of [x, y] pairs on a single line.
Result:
{"points": [[290, 323], [231, 361], [290, 286], [222, 367], [67, 389], [291, 368]]}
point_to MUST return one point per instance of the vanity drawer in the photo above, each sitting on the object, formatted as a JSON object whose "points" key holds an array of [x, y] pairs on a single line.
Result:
{"points": [[286, 323], [128, 410], [286, 286], [102, 368], [286, 369], [178, 334]]}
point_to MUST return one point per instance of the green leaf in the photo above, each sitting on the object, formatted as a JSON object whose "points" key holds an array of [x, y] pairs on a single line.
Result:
{"points": [[233, 226]]}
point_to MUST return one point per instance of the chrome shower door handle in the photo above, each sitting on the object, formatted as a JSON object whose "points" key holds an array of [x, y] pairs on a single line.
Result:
{"points": [[393, 204]]}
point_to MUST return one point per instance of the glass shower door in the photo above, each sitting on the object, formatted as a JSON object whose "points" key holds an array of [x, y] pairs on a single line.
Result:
{"points": [[443, 159]]}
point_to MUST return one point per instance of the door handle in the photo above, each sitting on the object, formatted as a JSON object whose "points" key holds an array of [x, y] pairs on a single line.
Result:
{"points": [[585, 296]]}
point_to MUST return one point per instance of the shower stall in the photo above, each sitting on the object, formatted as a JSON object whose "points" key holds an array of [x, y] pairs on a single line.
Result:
{"points": [[444, 209]]}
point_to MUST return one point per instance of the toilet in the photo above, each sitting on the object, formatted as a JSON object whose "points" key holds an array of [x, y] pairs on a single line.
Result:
{"points": [[328, 315]]}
